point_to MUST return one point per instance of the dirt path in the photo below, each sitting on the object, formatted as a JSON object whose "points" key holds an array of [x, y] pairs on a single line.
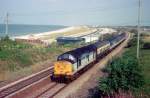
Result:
{"points": [[80, 87]]}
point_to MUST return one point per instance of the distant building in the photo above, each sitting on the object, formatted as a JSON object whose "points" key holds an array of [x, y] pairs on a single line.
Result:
{"points": [[85, 37], [94, 36], [67, 40]]}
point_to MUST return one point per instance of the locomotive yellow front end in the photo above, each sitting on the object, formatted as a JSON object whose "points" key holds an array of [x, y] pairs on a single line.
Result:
{"points": [[62, 70]]}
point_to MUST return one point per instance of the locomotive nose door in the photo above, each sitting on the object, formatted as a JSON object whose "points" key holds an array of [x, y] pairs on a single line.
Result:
{"points": [[62, 68]]}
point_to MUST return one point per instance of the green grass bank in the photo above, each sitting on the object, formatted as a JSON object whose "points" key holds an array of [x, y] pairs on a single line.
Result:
{"points": [[18, 58]]}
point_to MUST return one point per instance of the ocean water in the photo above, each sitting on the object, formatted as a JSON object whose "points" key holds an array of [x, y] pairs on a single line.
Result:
{"points": [[17, 30]]}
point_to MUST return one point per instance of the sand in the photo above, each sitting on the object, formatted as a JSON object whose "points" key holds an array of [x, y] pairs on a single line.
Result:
{"points": [[51, 36]]}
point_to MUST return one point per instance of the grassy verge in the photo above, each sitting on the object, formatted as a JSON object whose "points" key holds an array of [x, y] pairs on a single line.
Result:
{"points": [[18, 58], [144, 62], [132, 67]]}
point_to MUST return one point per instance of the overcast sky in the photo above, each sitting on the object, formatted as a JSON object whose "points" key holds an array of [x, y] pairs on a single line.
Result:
{"points": [[74, 12]]}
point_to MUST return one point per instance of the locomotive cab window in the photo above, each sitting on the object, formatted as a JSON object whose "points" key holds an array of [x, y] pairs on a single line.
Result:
{"points": [[67, 57]]}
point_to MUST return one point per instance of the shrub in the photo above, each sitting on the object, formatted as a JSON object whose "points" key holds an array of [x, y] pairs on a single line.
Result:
{"points": [[6, 38], [124, 74], [132, 43], [146, 45]]}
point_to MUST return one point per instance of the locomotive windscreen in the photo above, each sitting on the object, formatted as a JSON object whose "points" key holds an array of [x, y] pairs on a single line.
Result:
{"points": [[68, 57]]}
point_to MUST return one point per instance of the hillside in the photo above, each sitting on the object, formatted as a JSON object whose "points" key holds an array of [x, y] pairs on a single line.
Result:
{"points": [[20, 59]]}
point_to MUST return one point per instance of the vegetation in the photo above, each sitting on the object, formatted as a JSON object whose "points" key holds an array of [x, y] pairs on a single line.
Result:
{"points": [[124, 74], [127, 74], [131, 43], [15, 56], [11, 55], [145, 63], [146, 45], [133, 31]]}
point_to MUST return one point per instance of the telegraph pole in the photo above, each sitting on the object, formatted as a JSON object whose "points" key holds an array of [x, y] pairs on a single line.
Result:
{"points": [[6, 30], [138, 29], [100, 35], [90, 38]]}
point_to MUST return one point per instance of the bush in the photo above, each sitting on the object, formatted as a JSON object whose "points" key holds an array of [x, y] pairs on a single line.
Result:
{"points": [[124, 74], [146, 45], [6, 38], [132, 43]]}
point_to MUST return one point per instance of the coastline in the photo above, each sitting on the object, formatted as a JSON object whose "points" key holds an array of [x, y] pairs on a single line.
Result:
{"points": [[44, 33], [26, 29], [47, 38]]}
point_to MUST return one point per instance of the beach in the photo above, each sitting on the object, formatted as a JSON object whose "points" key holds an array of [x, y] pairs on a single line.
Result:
{"points": [[26, 29], [49, 37]]}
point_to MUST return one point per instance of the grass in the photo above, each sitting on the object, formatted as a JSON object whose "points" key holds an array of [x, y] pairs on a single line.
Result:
{"points": [[20, 58], [144, 61], [145, 65]]}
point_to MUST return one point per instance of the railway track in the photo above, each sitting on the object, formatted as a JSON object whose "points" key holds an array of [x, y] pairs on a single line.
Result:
{"points": [[22, 83], [51, 92], [37, 85]]}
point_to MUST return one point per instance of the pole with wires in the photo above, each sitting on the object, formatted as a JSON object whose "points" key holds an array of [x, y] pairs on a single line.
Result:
{"points": [[138, 29], [6, 20]]}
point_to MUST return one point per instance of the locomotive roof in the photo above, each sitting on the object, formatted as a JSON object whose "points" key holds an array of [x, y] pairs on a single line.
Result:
{"points": [[79, 51]]}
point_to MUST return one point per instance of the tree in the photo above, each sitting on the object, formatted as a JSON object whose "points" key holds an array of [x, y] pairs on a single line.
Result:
{"points": [[133, 31]]}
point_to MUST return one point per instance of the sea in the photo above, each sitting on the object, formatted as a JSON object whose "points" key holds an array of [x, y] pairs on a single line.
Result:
{"points": [[21, 29]]}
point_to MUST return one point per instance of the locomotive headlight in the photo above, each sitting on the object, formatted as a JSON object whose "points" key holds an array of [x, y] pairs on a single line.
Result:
{"points": [[69, 73]]}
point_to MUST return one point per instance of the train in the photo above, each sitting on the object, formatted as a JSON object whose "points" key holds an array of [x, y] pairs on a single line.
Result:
{"points": [[72, 64]]}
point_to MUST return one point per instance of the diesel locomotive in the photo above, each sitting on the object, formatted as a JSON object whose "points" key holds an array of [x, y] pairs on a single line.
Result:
{"points": [[71, 64]]}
